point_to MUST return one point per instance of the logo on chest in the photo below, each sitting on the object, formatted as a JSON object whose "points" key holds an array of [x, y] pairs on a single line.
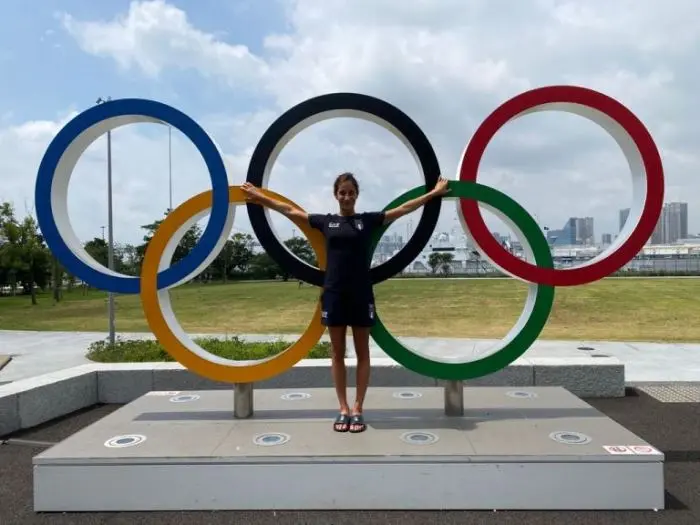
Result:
{"points": [[334, 225], [358, 225]]}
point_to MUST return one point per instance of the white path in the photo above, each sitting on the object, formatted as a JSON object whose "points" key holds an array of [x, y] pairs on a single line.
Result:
{"points": [[36, 353]]}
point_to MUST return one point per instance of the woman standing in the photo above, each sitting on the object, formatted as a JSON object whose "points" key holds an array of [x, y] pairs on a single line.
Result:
{"points": [[348, 297]]}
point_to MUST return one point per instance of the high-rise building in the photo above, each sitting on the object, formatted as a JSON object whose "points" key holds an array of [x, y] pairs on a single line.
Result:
{"points": [[623, 217], [576, 231], [657, 236], [607, 239], [672, 225], [676, 226], [584, 230]]}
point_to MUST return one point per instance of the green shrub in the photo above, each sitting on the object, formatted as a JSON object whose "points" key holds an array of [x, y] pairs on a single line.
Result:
{"points": [[142, 351]]}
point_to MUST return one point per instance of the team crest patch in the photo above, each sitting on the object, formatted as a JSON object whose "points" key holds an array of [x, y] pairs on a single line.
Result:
{"points": [[358, 225]]}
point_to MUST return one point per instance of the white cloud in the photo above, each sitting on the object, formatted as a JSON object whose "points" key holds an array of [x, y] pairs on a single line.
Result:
{"points": [[447, 64], [21, 148], [154, 36]]}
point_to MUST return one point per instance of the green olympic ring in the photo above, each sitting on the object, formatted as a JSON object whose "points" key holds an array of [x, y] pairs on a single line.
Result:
{"points": [[538, 304]]}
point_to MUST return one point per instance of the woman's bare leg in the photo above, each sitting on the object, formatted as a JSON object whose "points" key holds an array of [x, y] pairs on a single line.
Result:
{"points": [[337, 335], [360, 336]]}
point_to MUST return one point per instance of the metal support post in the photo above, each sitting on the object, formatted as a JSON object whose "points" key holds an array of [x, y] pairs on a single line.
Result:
{"points": [[110, 236], [454, 398], [242, 400], [110, 230], [170, 168]]}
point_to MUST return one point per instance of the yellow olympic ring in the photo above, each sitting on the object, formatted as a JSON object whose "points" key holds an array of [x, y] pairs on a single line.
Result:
{"points": [[168, 331]]}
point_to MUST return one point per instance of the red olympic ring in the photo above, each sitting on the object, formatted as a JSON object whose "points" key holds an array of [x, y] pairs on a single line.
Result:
{"points": [[581, 101]]}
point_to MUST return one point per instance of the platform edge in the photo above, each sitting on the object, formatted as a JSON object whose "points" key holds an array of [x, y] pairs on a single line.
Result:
{"points": [[406, 486]]}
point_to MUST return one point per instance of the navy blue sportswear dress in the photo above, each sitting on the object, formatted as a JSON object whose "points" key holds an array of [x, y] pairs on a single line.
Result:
{"points": [[348, 298]]}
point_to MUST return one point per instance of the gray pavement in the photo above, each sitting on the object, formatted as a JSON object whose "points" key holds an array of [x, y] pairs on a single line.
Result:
{"points": [[36, 353], [671, 427]]}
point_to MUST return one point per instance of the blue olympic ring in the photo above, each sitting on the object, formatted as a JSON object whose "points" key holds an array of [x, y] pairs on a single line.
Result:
{"points": [[82, 125]]}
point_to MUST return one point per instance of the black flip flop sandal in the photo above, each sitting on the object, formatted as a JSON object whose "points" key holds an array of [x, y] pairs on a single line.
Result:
{"points": [[357, 420], [341, 423]]}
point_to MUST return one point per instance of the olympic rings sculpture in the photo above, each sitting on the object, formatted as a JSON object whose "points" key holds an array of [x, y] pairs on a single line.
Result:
{"points": [[158, 276]]}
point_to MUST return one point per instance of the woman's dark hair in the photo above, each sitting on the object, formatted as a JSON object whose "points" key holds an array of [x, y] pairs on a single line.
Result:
{"points": [[345, 177]]}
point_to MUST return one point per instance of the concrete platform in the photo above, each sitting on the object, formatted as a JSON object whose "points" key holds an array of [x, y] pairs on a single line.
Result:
{"points": [[33, 401], [514, 448]]}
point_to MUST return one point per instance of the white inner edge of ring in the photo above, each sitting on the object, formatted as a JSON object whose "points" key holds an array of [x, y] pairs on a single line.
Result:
{"points": [[528, 307], [634, 161], [64, 171], [320, 117], [167, 257], [164, 294]]}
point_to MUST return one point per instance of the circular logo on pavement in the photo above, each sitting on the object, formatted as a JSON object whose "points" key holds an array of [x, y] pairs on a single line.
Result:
{"points": [[185, 398], [129, 440], [570, 438], [271, 439], [295, 396], [521, 394], [419, 438], [405, 394]]}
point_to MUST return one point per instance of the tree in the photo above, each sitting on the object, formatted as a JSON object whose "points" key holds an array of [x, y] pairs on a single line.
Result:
{"points": [[220, 268], [184, 247], [262, 266], [24, 257], [300, 247], [441, 261], [97, 249], [241, 252], [9, 255], [128, 258], [57, 273]]}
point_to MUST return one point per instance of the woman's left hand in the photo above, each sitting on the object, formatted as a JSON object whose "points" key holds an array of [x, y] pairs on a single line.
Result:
{"points": [[441, 186]]}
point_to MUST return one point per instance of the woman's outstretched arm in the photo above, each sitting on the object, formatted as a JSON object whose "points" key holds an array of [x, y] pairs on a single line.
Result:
{"points": [[412, 205], [255, 196]]}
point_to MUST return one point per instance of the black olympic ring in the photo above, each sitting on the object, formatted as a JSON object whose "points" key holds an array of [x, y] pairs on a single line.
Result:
{"points": [[334, 105]]}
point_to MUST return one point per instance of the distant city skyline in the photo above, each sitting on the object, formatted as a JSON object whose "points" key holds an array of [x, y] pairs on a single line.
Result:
{"points": [[578, 233], [672, 225]]}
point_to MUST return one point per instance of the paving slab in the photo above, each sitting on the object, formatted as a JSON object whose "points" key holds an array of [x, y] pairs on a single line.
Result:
{"points": [[38, 353]]}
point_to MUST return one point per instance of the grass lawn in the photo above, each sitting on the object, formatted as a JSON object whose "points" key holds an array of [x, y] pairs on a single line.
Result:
{"points": [[658, 309]]}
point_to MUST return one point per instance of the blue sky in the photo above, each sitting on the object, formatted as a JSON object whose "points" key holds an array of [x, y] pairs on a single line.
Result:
{"points": [[234, 66], [37, 51]]}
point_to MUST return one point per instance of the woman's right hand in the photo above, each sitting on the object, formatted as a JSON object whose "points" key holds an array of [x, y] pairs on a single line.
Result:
{"points": [[252, 194]]}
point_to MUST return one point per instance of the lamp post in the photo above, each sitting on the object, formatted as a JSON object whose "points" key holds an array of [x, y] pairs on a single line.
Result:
{"points": [[170, 166], [110, 229]]}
